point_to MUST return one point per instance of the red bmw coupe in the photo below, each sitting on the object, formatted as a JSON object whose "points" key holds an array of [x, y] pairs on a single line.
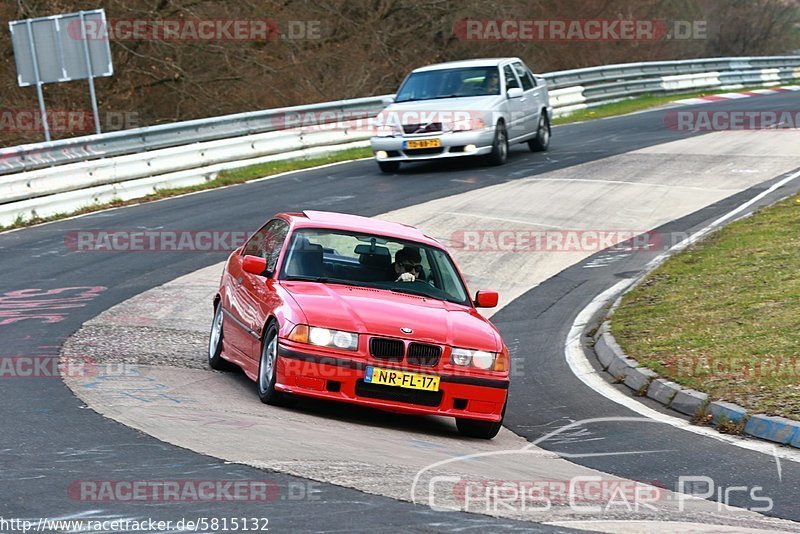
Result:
{"points": [[360, 310]]}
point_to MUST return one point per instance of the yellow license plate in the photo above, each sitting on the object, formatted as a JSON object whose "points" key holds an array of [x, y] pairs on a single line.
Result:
{"points": [[423, 143], [402, 379]]}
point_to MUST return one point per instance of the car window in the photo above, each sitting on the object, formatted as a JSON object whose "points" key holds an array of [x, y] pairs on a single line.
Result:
{"points": [[524, 76], [336, 256], [449, 83], [267, 242], [511, 80]]}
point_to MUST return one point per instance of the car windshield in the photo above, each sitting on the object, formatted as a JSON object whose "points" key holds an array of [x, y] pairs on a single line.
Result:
{"points": [[450, 83], [339, 257]]}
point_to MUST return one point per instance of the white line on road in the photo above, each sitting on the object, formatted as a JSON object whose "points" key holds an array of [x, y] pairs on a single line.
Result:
{"points": [[623, 182], [503, 219]]}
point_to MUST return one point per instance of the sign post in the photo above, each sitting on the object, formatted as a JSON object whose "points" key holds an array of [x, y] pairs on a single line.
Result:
{"points": [[59, 49]]}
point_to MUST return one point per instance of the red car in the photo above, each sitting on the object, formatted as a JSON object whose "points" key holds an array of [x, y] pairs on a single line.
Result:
{"points": [[359, 310]]}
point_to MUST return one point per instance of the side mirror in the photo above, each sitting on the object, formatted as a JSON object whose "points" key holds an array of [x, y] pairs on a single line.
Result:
{"points": [[255, 265], [486, 299], [514, 92]]}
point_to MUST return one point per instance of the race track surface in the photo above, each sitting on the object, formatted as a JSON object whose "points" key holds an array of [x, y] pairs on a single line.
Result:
{"points": [[51, 440]]}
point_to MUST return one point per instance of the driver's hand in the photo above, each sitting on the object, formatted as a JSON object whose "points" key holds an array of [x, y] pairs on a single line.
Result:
{"points": [[406, 277]]}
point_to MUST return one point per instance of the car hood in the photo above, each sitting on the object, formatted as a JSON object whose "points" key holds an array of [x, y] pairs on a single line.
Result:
{"points": [[384, 313], [467, 104]]}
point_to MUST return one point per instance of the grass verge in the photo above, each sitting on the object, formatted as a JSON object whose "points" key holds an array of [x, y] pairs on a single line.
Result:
{"points": [[641, 103], [224, 178], [723, 317]]}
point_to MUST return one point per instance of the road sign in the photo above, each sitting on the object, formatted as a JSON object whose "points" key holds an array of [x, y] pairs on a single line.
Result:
{"points": [[58, 49]]}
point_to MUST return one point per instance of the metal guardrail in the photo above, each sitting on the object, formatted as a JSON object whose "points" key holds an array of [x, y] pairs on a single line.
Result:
{"points": [[571, 89], [581, 88], [653, 69], [40, 155], [46, 178]]}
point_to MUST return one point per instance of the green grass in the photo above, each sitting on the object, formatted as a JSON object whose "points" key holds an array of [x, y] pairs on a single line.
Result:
{"points": [[641, 103], [723, 317], [224, 178]]}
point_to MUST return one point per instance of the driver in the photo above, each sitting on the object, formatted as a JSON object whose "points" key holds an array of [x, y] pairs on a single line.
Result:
{"points": [[491, 83], [408, 265]]}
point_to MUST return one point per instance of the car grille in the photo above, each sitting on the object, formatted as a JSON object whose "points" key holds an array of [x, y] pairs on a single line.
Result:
{"points": [[423, 355], [423, 151], [391, 393], [433, 127], [387, 349]]}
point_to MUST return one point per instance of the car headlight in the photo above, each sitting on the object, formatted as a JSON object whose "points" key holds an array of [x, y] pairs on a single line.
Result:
{"points": [[385, 129], [324, 337], [477, 358], [463, 125]]}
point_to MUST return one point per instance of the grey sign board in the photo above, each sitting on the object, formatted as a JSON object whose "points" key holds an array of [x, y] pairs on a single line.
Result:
{"points": [[58, 44]]}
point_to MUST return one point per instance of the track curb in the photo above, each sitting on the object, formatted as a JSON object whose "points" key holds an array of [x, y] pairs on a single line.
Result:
{"points": [[722, 415]]}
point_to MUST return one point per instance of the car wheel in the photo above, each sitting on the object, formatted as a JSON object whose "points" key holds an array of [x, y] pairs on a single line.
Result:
{"points": [[389, 167], [215, 359], [267, 369], [541, 142], [499, 153], [480, 429]]}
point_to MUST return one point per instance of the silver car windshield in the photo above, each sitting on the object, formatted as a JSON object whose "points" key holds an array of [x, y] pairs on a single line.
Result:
{"points": [[339, 257], [450, 83]]}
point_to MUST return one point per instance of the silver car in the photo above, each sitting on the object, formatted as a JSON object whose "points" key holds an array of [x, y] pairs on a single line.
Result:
{"points": [[463, 109]]}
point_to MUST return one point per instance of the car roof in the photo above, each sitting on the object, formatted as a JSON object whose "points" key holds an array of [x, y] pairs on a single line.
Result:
{"points": [[482, 62], [356, 223]]}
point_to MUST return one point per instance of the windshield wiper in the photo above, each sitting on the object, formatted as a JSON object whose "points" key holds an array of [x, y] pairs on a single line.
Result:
{"points": [[416, 292]]}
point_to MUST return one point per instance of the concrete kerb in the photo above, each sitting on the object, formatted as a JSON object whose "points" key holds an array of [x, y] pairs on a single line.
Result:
{"points": [[646, 383]]}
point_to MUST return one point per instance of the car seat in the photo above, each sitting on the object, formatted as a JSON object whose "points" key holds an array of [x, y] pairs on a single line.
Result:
{"points": [[305, 259]]}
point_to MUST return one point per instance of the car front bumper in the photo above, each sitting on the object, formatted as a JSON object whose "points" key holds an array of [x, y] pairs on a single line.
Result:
{"points": [[454, 144], [302, 371]]}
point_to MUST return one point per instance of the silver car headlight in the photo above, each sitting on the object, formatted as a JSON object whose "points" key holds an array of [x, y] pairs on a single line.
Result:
{"points": [[384, 129], [324, 337], [336, 339], [476, 358], [464, 124]]}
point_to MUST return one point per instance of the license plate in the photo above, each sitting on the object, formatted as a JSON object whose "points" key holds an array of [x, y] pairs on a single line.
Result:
{"points": [[422, 143], [402, 379]]}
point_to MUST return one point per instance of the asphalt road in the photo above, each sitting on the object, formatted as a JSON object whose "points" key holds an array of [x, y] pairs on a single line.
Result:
{"points": [[49, 441], [548, 395]]}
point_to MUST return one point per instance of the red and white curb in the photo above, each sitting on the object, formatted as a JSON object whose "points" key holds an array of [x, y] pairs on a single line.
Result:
{"points": [[736, 96]]}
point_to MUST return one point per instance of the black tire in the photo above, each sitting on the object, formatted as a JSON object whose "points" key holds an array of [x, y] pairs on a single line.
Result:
{"points": [[265, 384], [480, 429], [215, 359], [389, 167], [499, 153], [541, 142]]}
